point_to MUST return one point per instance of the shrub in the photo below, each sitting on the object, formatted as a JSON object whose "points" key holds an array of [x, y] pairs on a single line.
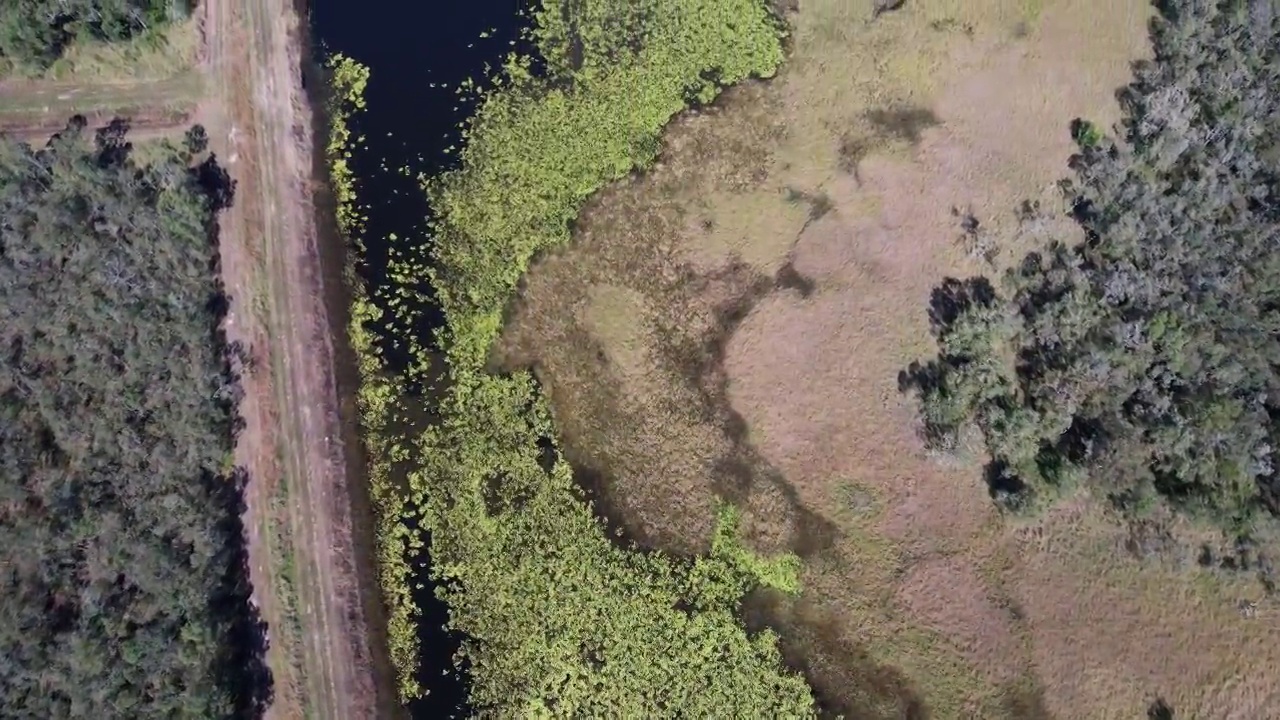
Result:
{"points": [[124, 589]]}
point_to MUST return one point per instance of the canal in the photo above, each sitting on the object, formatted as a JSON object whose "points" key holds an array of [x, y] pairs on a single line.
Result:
{"points": [[417, 53]]}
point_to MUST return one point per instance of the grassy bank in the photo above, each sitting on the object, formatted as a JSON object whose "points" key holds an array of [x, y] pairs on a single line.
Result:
{"points": [[560, 618]]}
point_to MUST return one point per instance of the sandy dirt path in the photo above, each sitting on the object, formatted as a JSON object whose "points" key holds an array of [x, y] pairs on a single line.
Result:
{"points": [[33, 109], [298, 514], [60, 96]]}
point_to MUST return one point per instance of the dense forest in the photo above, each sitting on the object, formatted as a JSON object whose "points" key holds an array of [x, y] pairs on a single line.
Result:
{"points": [[35, 32], [123, 588], [1141, 356]]}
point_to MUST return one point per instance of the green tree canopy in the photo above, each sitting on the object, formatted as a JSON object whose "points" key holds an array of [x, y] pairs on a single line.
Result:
{"points": [[37, 31], [122, 571], [1143, 353]]}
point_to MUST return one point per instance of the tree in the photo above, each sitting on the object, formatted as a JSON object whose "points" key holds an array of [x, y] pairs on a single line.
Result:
{"points": [[37, 31], [1142, 355], [123, 589]]}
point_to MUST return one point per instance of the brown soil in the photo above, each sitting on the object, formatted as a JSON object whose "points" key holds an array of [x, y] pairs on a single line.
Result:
{"points": [[299, 514]]}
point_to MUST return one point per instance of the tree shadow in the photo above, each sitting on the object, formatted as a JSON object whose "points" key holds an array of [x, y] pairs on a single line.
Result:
{"points": [[1026, 703], [947, 303], [954, 297], [1160, 710], [241, 666]]}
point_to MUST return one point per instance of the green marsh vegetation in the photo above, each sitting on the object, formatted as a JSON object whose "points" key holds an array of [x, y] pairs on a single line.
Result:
{"points": [[558, 617], [378, 391]]}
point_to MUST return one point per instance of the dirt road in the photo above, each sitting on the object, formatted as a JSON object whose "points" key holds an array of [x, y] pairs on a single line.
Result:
{"points": [[64, 96], [34, 109], [299, 516], [247, 91]]}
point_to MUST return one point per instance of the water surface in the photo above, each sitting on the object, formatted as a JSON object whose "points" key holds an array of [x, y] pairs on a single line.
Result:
{"points": [[417, 53]]}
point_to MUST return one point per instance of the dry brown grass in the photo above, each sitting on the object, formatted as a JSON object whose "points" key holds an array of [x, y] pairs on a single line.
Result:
{"points": [[984, 632], [151, 57], [734, 323]]}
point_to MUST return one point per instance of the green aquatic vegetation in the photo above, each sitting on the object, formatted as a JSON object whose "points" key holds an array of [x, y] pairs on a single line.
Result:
{"points": [[378, 392], [559, 619], [537, 149]]}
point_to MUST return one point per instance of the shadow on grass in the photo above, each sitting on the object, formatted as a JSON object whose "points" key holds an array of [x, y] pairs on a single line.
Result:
{"points": [[788, 278], [846, 680], [1026, 703], [743, 470], [597, 488], [903, 123]]}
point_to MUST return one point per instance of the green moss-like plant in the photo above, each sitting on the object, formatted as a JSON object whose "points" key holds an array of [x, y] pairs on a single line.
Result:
{"points": [[1086, 134], [559, 620], [378, 394]]}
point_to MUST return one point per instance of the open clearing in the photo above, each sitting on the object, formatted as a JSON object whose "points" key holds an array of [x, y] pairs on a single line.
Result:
{"points": [[734, 323], [154, 82], [51, 103]]}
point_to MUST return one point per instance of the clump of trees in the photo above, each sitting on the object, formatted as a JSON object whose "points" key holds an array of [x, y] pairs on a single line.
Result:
{"points": [[123, 587], [1141, 356], [35, 32]]}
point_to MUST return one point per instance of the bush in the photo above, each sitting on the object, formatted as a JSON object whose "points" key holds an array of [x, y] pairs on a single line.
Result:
{"points": [[33, 34], [124, 587]]}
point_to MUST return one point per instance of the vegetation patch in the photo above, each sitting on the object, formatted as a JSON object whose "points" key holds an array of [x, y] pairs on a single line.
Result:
{"points": [[284, 583], [1140, 357], [125, 586], [34, 37], [559, 619], [378, 394]]}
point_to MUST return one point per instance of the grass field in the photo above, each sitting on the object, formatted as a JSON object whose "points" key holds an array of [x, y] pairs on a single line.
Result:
{"points": [[733, 323], [155, 81]]}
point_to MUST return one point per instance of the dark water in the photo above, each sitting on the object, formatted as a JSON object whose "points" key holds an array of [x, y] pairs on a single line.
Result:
{"points": [[408, 123]]}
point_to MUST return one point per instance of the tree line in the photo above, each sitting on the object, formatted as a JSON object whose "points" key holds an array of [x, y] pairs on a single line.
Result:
{"points": [[1141, 356], [35, 32], [123, 585]]}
